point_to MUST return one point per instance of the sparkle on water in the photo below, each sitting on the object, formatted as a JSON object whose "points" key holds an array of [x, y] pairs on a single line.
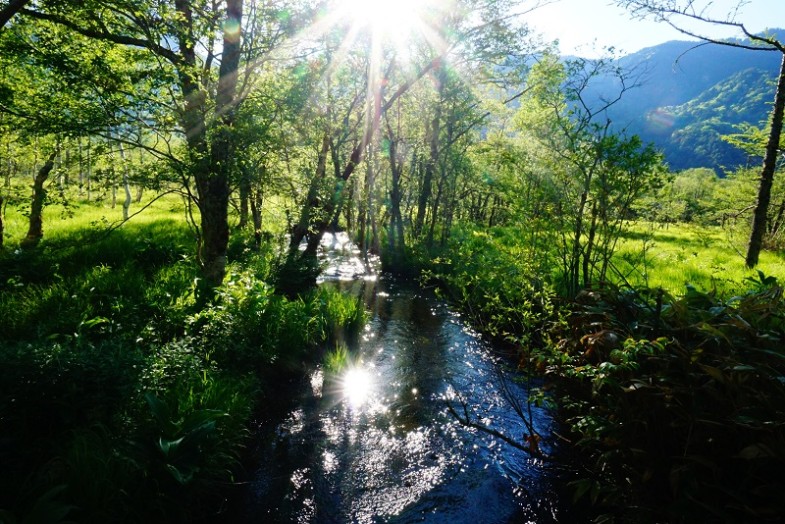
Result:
{"points": [[357, 385]]}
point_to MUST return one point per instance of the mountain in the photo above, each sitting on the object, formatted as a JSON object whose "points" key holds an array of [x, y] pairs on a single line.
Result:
{"points": [[688, 95]]}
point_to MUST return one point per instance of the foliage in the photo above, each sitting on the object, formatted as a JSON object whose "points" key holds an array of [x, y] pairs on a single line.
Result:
{"points": [[497, 281], [676, 402]]}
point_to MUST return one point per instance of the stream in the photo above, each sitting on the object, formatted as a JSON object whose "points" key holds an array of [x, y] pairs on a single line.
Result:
{"points": [[377, 443]]}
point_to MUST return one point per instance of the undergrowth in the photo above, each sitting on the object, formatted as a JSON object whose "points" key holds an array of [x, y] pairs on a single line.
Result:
{"points": [[120, 400], [676, 403]]}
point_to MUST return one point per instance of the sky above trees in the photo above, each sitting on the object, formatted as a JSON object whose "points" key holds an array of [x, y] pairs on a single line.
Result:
{"points": [[578, 24]]}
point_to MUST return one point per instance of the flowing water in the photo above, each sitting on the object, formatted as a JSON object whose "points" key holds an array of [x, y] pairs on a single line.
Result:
{"points": [[376, 443]]}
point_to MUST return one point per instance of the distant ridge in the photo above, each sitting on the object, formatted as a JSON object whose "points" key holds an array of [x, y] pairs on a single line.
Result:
{"points": [[690, 94]]}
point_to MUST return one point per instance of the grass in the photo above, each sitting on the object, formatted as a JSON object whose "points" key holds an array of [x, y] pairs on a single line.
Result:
{"points": [[674, 255], [120, 400]]}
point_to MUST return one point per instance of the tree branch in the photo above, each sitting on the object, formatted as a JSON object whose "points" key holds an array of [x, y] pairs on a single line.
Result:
{"points": [[104, 34], [13, 7]]}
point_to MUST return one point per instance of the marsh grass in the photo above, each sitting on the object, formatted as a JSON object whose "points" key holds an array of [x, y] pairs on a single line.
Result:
{"points": [[675, 255]]}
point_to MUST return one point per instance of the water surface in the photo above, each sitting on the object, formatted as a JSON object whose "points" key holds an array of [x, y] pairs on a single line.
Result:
{"points": [[376, 442]]}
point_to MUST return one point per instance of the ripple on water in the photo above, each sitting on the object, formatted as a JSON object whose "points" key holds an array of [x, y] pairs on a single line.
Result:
{"points": [[382, 447]]}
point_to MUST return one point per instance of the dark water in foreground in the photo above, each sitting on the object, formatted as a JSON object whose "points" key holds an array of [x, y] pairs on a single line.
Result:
{"points": [[377, 444]]}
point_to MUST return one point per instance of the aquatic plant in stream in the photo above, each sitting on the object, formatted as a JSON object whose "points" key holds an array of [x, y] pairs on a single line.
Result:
{"points": [[248, 326]]}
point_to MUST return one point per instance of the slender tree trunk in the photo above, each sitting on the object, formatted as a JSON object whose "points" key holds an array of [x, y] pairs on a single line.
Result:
{"points": [[66, 179], [776, 224], [436, 202], [576, 244], [81, 166], [256, 202], [430, 167], [312, 200], [396, 240], [36, 230], [113, 183], [88, 173], [767, 174], [140, 188], [9, 164], [373, 245], [126, 183], [2, 224], [245, 196], [212, 180], [589, 249]]}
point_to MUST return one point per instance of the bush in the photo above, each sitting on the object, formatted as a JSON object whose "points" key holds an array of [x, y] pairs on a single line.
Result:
{"points": [[678, 403]]}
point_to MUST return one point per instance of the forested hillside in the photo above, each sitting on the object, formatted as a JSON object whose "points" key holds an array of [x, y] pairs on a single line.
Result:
{"points": [[689, 95]]}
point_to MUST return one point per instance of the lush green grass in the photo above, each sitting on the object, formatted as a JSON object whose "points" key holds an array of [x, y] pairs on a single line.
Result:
{"points": [[673, 255], [121, 401]]}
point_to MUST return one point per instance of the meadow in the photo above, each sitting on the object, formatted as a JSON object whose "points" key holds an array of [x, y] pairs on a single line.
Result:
{"points": [[709, 258]]}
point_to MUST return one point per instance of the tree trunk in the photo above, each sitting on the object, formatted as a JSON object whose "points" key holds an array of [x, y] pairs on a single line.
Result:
{"points": [[589, 249], [113, 182], [2, 224], [767, 174], [257, 201], [126, 183], [81, 165], [373, 245], [395, 240], [245, 196], [36, 230], [574, 283], [88, 173], [10, 9], [430, 166], [212, 176], [140, 189], [312, 200]]}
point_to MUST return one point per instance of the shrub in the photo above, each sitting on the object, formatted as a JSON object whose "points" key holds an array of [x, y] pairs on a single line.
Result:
{"points": [[678, 402]]}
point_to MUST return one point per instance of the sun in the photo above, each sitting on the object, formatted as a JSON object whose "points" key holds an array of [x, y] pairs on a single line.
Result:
{"points": [[391, 19]]}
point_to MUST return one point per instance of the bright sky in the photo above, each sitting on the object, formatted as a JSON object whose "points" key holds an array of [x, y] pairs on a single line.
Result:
{"points": [[578, 23]]}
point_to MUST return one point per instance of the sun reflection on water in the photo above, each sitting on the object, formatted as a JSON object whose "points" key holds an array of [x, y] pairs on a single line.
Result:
{"points": [[357, 385]]}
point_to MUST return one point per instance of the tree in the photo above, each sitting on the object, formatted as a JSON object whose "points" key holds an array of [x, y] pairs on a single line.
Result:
{"points": [[474, 40], [9, 8], [598, 174], [207, 50], [35, 230], [679, 14]]}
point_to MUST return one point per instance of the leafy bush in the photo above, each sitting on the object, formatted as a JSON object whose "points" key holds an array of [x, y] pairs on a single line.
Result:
{"points": [[120, 401], [499, 284], [678, 403], [264, 327]]}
